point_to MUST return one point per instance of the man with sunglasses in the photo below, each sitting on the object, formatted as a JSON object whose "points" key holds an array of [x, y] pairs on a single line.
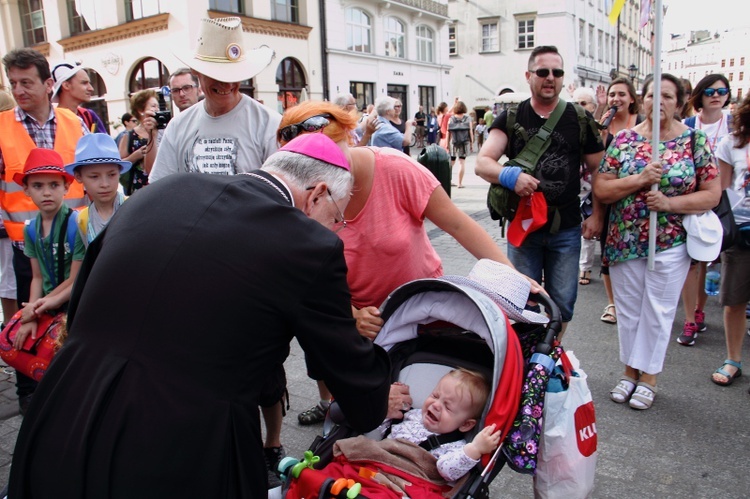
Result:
{"points": [[552, 251], [228, 132], [185, 88]]}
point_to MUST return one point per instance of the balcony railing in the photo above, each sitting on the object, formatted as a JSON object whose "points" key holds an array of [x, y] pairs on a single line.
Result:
{"points": [[426, 5]]}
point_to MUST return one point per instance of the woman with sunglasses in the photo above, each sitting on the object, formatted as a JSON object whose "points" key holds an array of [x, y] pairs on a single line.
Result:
{"points": [[688, 183], [709, 98], [620, 94], [733, 154], [385, 243]]}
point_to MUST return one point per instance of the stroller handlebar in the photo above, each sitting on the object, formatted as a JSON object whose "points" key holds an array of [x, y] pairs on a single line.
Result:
{"points": [[555, 322]]}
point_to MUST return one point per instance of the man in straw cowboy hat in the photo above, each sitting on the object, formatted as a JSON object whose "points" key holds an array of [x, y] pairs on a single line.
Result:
{"points": [[228, 132]]}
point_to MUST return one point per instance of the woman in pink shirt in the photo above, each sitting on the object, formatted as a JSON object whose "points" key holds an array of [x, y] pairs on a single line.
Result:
{"points": [[385, 244]]}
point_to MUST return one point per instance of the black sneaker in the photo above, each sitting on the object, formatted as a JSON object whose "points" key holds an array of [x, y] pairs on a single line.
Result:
{"points": [[23, 404], [273, 480], [273, 456]]}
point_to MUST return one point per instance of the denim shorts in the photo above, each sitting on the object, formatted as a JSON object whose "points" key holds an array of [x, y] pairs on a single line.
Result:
{"points": [[556, 257]]}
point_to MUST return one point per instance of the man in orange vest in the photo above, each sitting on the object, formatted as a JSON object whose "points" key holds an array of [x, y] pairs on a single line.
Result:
{"points": [[33, 123]]}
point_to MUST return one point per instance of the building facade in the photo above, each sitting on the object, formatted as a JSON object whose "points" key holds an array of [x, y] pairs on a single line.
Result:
{"points": [[127, 45], [699, 53], [397, 48], [490, 44]]}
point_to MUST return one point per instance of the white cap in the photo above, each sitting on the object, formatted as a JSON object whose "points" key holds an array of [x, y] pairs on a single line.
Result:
{"points": [[704, 236]]}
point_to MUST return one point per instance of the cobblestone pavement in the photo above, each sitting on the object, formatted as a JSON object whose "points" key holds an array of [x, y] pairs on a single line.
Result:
{"points": [[693, 442]]}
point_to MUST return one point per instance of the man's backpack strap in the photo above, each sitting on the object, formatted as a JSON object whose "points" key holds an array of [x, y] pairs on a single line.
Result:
{"points": [[535, 147], [435, 441]]}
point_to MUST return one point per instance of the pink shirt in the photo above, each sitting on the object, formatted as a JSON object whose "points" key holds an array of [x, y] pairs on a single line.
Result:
{"points": [[386, 245]]}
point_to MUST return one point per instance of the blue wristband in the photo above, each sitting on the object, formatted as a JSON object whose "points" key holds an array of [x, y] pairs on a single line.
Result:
{"points": [[509, 176]]}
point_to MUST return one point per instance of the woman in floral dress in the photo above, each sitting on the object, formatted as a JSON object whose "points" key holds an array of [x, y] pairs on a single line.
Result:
{"points": [[687, 180], [139, 146]]}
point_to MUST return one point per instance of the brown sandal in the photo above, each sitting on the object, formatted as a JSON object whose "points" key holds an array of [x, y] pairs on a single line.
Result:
{"points": [[584, 278]]}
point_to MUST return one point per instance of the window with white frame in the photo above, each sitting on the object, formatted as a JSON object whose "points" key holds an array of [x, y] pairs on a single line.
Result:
{"points": [[582, 37], [600, 47], [394, 38], [358, 31], [425, 43], [286, 10], [452, 41], [490, 37], [33, 21], [525, 29], [592, 40]]}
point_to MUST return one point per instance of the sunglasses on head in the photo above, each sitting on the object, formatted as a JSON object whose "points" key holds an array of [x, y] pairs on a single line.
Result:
{"points": [[709, 92], [311, 124], [63, 65], [544, 72]]}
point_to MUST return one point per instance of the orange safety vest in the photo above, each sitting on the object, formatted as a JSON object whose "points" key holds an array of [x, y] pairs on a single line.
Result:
{"points": [[15, 145]]}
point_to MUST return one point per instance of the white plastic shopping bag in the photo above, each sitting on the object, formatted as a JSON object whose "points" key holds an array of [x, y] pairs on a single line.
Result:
{"points": [[567, 449]]}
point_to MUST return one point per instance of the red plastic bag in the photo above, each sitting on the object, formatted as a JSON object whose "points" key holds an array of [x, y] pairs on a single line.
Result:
{"points": [[36, 354]]}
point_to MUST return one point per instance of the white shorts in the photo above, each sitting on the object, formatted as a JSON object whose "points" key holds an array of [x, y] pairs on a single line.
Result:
{"points": [[7, 275]]}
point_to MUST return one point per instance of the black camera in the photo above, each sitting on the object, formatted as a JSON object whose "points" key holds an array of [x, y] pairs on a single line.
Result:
{"points": [[162, 116], [162, 119]]}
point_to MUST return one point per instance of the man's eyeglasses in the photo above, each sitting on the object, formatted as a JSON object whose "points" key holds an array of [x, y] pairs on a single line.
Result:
{"points": [[339, 222], [133, 120], [184, 89], [709, 92], [311, 124], [544, 72]]}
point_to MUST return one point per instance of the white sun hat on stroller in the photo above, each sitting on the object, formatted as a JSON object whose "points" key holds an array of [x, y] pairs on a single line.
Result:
{"points": [[506, 287]]}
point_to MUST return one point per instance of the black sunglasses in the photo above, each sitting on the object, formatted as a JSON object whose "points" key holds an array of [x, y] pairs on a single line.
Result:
{"points": [[544, 72], [311, 124], [709, 92]]}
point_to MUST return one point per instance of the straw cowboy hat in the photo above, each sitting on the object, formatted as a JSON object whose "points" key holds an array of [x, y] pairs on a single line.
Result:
{"points": [[221, 55]]}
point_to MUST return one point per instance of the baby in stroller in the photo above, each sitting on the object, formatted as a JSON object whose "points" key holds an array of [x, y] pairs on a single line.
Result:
{"points": [[450, 411]]}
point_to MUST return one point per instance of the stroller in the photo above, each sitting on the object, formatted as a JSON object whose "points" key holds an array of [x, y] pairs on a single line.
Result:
{"points": [[431, 327]]}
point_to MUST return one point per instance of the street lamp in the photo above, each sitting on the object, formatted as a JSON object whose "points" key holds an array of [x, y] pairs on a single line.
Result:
{"points": [[632, 72]]}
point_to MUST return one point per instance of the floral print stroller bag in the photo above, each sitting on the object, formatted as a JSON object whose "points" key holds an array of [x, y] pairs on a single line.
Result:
{"points": [[431, 327]]}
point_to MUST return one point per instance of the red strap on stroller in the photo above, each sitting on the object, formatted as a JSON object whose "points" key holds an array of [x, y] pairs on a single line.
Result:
{"points": [[507, 397]]}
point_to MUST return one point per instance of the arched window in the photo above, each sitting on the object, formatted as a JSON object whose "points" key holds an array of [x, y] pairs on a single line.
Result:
{"points": [[290, 78], [148, 73], [425, 42], [358, 31], [394, 37]]}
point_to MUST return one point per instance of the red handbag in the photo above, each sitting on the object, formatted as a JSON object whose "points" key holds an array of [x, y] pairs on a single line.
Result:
{"points": [[35, 355]]}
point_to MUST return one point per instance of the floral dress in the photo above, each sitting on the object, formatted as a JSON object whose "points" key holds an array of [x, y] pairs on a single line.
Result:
{"points": [[688, 162], [136, 177]]}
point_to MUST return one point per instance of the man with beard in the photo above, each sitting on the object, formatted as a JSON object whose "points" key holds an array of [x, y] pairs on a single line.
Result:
{"points": [[551, 252]]}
